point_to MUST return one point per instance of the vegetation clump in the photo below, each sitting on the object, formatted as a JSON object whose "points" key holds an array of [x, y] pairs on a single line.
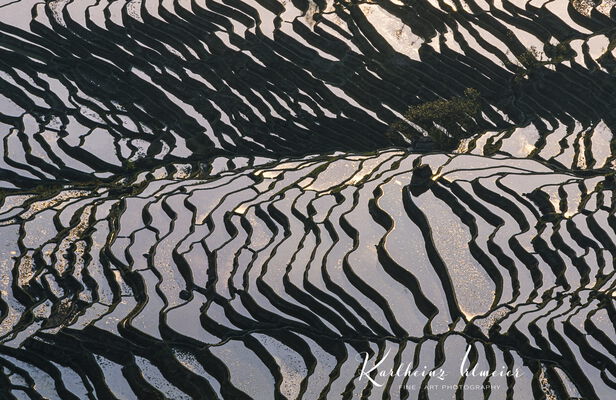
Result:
{"points": [[532, 58], [559, 52], [444, 122]]}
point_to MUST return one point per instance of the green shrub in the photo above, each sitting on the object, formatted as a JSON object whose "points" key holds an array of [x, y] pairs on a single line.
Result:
{"points": [[454, 116]]}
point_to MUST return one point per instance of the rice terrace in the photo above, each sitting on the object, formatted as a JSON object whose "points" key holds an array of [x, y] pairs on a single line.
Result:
{"points": [[307, 199]]}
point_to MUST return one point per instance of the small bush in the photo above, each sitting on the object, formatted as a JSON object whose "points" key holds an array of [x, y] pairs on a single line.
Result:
{"points": [[445, 120], [531, 58], [559, 53]]}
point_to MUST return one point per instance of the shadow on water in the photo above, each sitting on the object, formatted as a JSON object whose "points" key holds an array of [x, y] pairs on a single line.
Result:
{"points": [[89, 92], [167, 231]]}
